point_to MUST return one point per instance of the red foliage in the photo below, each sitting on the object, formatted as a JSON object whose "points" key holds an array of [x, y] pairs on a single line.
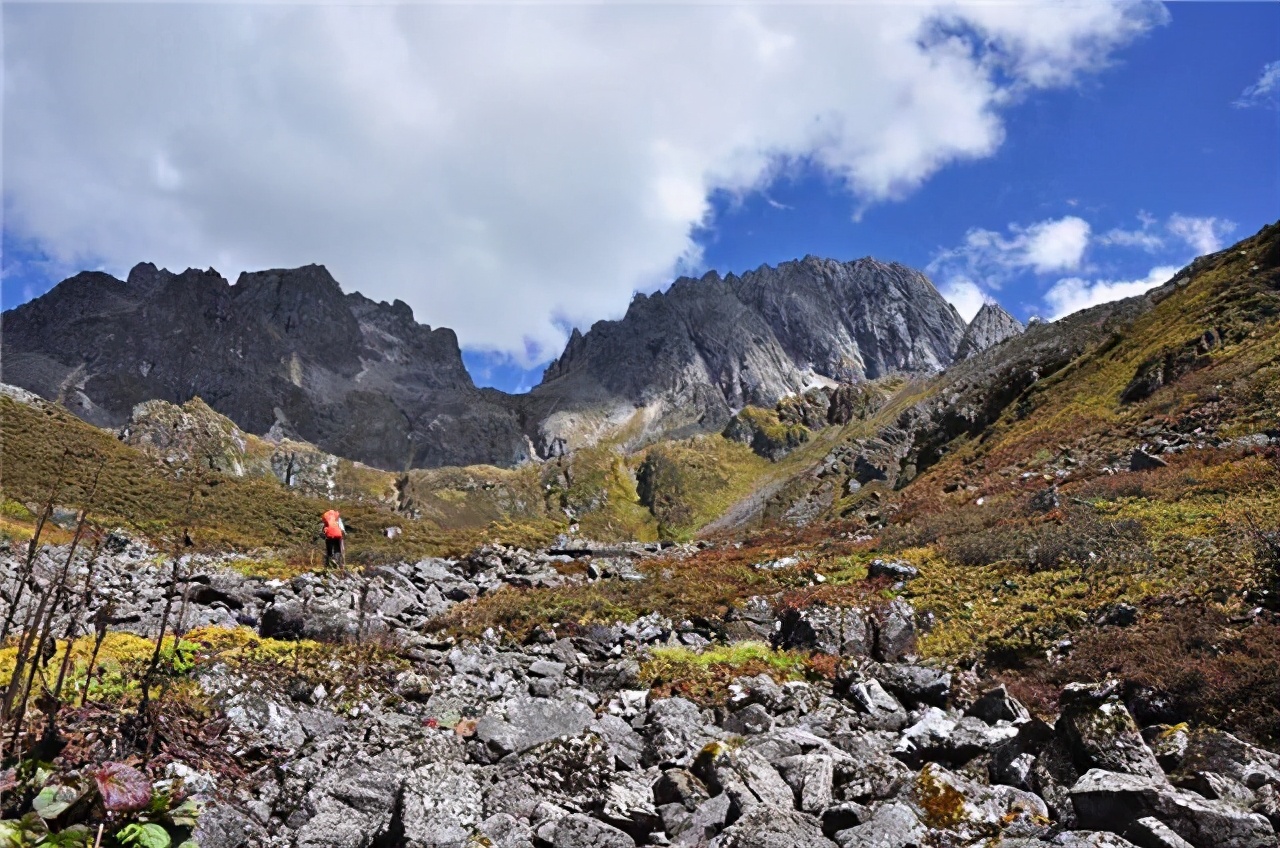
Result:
{"points": [[123, 788]]}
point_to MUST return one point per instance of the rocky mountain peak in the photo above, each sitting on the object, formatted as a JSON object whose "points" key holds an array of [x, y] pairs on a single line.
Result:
{"points": [[692, 355], [988, 328]]}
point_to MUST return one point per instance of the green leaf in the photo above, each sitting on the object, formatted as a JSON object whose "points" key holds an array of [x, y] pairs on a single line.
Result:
{"points": [[186, 813], [190, 843], [54, 800], [144, 836], [76, 836], [11, 835]]}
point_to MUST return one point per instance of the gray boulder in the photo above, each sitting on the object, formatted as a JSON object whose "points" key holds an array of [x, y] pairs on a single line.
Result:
{"points": [[763, 827], [580, 831], [998, 705], [744, 775], [1101, 734], [841, 631], [893, 825], [1112, 801], [526, 722]]}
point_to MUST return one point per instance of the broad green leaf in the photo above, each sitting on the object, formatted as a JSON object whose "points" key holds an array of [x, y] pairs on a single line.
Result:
{"points": [[143, 836], [54, 800], [190, 843]]}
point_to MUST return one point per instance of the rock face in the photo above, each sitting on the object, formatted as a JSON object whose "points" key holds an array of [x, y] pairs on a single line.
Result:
{"points": [[988, 328], [281, 350], [691, 356]]}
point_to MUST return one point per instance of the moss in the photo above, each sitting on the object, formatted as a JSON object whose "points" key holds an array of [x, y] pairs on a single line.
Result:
{"points": [[689, 483], [941, 803], [704, 676]]}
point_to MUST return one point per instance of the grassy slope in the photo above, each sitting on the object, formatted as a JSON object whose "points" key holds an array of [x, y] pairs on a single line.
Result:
{"points": [[45, 443], [1007, 579]]}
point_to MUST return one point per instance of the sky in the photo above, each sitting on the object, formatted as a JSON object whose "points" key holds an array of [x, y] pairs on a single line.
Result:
{"points": [[514, 170]]}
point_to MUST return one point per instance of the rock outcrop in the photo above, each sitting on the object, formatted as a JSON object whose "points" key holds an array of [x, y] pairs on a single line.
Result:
{"points": [[283, 350], [689, 357], [988, 328]]}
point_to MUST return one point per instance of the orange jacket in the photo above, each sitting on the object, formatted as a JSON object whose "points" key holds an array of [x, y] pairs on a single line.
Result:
{"points": [[332, 524]]}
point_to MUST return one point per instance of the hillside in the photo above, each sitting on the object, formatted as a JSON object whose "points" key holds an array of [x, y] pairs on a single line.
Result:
{"points": [[1029, 600]]}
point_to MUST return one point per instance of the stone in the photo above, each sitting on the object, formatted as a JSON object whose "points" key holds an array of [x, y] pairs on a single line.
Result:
{"points": [[353, 807], [915, 685], [706, 820], [883, 709], [840, 631], [811, 778], [744, 775], [892, 570], [1113, 801], [998, 705], [763, 827], [674, 729], [221, 826], [680, 786], [1150, 832], [893, 825], [895, 632], [1140, 460], [1217, 751], [578, 831], [440, 806], [505, 831], [843, 816], [1101, 734], [753, 718], [527, 722]]}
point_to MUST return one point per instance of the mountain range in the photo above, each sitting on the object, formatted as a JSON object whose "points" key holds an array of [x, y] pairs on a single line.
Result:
{"points": [[287, 353]]}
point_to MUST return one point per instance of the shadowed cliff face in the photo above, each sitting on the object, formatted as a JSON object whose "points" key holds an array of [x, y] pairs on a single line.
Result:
{"points": [[692, 356], [286, 351], [281, 349]]}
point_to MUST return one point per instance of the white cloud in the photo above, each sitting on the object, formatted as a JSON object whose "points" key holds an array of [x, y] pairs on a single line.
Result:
{"points": [[1263, 92], [988, 259], [505, 169], [965, 296], [1204, 235], [1056, 245], [1073, 293]]}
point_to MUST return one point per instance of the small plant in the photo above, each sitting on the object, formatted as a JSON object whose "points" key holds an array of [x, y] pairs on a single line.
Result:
{"points": [[113, 805]]}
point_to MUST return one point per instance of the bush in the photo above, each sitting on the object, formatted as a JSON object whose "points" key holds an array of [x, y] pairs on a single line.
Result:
{"points": [[1183, 664]]}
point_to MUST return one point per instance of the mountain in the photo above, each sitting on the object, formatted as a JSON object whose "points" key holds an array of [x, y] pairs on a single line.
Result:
{"points": [[286, 352], [988, 328], [690, 357], [282, 351]]}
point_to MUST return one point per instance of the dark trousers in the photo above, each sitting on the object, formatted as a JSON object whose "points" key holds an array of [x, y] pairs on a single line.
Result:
{"points": [[332, 550]]}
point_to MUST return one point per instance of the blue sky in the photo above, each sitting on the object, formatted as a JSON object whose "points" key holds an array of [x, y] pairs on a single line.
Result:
{"points": [[535, 190]]}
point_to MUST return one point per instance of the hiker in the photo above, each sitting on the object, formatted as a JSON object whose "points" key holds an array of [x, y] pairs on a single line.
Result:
{"points": [[334, 533]]}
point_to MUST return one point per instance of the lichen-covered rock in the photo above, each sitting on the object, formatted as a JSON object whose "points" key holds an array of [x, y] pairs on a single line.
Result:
{"points": [[1101, 734], [772, 828], [1113, 801]]}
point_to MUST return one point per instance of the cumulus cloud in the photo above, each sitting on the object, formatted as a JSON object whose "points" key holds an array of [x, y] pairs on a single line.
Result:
{"points": [[1263, 92], [965, 295], [507, 170], [1204, 235], [1073, 293], [987, 259]]}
